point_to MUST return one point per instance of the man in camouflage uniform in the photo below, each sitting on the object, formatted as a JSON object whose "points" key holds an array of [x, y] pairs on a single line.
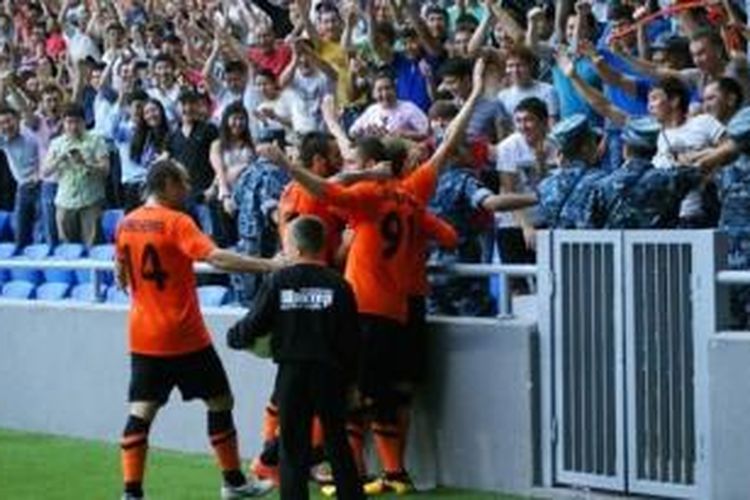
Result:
{"points": [[733, 184], [564, 194], [458, 200], [256, 195], [637, 195], [462, 200]]}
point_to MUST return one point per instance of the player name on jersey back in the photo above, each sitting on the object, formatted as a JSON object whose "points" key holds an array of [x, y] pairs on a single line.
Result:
{"points": [[142, 226]]}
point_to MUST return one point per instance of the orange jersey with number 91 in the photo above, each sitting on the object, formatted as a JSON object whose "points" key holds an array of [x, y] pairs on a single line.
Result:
{"points": [[157, 246], [384, 218]]}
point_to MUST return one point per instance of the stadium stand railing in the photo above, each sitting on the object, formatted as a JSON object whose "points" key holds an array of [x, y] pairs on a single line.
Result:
{"points": [[97, 269]]}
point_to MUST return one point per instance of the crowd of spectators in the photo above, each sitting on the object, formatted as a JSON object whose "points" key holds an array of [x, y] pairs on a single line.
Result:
{"points": [[93, 92]]}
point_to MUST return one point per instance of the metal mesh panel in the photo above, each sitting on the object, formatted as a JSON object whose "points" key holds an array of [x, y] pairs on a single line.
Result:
{"points": [[588, 423], [663, 362]]}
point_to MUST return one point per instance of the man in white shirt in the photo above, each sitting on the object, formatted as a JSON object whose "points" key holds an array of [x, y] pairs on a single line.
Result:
{"points": [[523, 159], [22, 153], [310, 78], [165, 88], [520, 68], [684, 141], [235, 84]]}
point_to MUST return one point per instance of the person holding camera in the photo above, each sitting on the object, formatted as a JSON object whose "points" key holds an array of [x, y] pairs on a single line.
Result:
{"points": [[81, 160]]}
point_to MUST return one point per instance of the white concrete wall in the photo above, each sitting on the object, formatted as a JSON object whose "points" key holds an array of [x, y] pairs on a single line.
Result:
{"points": [[64, 370], [728, 448]]}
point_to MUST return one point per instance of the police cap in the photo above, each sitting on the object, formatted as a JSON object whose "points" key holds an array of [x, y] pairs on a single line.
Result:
{"points": [[569, 132], [641, 133]]}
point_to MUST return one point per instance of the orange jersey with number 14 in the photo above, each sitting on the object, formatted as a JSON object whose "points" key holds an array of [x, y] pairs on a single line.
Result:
{"points": [[384, 218], [158, 246]]}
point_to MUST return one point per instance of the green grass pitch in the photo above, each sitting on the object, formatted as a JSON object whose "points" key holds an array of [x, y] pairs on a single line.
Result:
{"points": [[41, 467]]}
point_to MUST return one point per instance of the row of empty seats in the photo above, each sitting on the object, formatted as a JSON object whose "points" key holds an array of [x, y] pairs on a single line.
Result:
{"points": [[19, 289], [208, 296], [63, 252], [109, 221], [68, 284]]}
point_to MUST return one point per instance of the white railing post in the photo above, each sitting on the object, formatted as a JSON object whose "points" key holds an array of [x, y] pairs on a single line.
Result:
{"points": [[505, 297], [504, 271], [96, 283]]}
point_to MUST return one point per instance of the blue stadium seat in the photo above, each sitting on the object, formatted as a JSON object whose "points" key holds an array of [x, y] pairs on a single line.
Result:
{"points": [[18, 290], [36, 251], [102, 252], [65, 251], [33, 252], [7, 250], [105, 253], [110, 218], [83, 293], [117, 296], [213, 295], [53, 291], [6, 230]]}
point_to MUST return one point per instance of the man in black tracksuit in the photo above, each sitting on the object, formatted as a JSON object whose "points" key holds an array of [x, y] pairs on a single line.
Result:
{"points": [[312, 313]]}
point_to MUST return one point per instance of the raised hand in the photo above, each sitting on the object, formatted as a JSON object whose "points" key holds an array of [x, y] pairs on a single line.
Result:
{"points": [[425, 69], [586, 48], [328, 108], [583, 7], [536, 14], [350, 11], [274, 154], [564, 62]]}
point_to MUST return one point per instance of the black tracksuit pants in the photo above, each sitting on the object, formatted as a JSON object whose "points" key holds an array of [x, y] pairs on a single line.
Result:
{"points": [[305, 389]]}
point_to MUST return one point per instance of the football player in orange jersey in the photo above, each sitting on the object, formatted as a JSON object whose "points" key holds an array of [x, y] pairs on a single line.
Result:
{"points": [[170, 345], [421, 183], [383, 217]]}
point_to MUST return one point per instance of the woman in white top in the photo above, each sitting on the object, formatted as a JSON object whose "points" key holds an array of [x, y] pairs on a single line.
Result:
{"points": [[232, 152]]}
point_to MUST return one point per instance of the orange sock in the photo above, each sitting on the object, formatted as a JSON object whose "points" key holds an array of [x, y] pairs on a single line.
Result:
{"points": [[133, 449], [355, 433], [133, 457], [388, 445], [270, 422], [317, 438]]}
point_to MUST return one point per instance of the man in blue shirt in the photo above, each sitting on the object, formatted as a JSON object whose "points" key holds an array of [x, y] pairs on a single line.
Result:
{"points": [[22, 152], [489, 119], [580, 28]]}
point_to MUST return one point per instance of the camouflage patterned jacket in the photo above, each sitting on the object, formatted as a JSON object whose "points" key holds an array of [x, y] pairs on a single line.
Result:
{"points": [[554, 192], [733, 183], [257, 195], [639, 196]]}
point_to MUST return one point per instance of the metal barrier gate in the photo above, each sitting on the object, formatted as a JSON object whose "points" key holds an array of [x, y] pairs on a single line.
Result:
{"points": [[625, 369]]}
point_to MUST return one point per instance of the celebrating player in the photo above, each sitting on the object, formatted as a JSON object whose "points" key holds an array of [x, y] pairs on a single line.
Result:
{"points": [[170, 345]]}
